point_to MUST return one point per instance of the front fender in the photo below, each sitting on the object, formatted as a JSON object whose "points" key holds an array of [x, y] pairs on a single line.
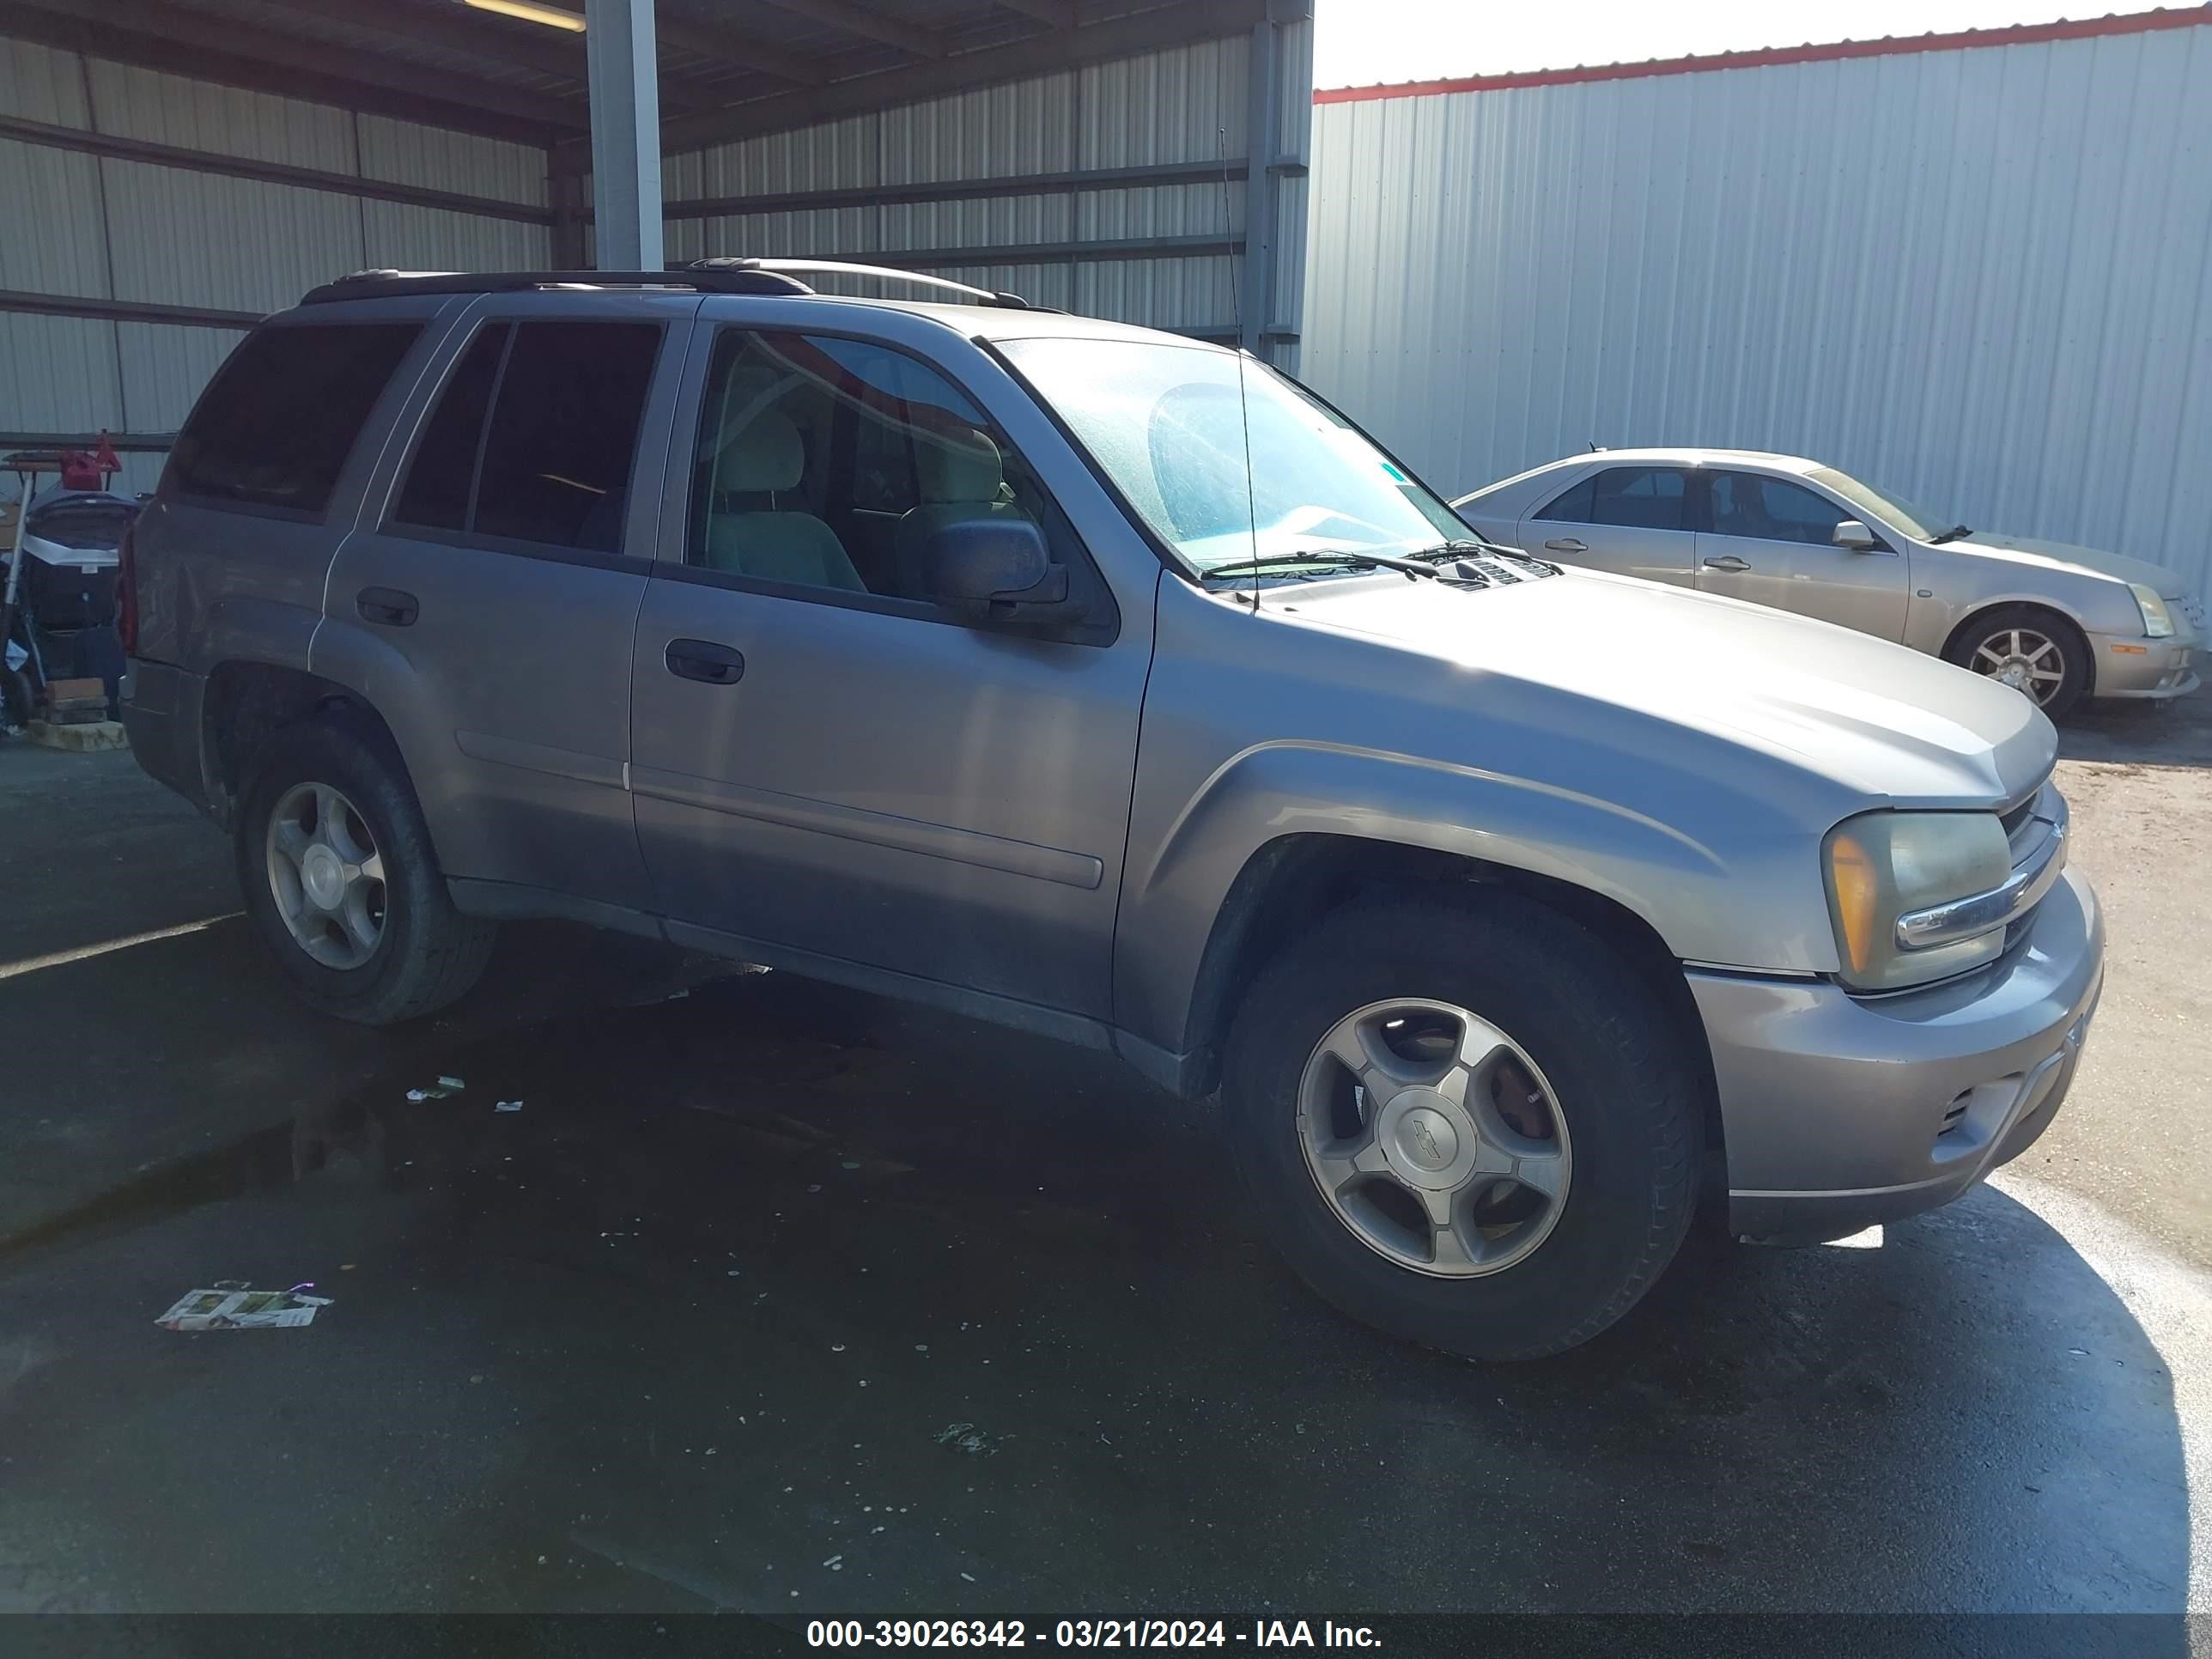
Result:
{"points": [[1691, 896]]}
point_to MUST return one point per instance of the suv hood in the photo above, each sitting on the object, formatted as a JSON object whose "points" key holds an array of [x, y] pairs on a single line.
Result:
{"points": [[2025, 549], [1891, 725]]}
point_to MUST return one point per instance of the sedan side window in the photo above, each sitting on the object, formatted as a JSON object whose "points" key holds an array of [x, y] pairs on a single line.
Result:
{"points": [[1573, 507], [1760, 509], [1640, 497]]}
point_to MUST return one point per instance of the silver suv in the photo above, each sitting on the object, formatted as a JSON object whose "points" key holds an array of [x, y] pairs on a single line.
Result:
{"points": [[1112, 686]]}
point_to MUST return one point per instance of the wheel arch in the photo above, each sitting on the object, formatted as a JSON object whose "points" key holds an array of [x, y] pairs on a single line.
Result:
{"points": [[1985, 609], [1290, 883], [245, 705]]}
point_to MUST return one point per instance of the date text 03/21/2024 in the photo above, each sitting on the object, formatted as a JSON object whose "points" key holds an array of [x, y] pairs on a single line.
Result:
{"points": [[1085, 1633]]}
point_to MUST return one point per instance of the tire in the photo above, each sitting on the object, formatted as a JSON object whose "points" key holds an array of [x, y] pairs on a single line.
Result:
{"points": [[2025, 640], [425, 953], [1599, 1043]]}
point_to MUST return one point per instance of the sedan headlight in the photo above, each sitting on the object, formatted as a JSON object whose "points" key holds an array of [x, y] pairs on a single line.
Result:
{"points": [[1882, 865], [2158, 621]]}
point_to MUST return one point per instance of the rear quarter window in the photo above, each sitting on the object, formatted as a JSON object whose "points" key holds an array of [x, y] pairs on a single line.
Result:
{"points": [[274, 427]]}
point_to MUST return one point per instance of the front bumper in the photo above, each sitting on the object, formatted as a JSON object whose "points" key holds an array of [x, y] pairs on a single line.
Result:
{"points": [[1840, 1111], [2133, 666]]}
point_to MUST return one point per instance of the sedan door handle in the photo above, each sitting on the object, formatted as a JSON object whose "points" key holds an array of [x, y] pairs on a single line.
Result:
{"points": [[1566, 544], [388, 605], [1728, 562], [704, 661]]}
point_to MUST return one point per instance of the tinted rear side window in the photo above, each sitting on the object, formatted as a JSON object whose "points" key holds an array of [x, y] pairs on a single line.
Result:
{"points": [[443, 472], [556, 460], [1574, 507], [275, 426], [1639, 497]]}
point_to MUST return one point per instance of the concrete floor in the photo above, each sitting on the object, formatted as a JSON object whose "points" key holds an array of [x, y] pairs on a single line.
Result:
{"points": [[691, 1325]]}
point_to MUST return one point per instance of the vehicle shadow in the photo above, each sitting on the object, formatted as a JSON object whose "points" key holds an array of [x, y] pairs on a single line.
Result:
{"points": [[2178, 733], [779, 1298]]}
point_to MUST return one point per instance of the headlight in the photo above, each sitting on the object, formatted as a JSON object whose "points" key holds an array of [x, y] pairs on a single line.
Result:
{"points": [[2158, 621], [1881, 865]]}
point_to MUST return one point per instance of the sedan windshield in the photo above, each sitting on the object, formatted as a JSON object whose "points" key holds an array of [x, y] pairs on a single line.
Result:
{"points": [[1171, 426], [1920, 523]]}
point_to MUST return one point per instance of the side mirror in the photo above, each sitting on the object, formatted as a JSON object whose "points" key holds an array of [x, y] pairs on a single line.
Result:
{"points": [[1853, 536], [998, 569]]}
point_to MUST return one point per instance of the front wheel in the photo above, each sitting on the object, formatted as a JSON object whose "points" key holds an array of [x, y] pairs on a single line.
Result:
{"points": [[1467, 1123], [335, 866], [2036, 652]]}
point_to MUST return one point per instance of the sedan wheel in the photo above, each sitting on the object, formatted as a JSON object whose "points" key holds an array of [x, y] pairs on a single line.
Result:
{"points": [[2036, 652], [2024, 660]]}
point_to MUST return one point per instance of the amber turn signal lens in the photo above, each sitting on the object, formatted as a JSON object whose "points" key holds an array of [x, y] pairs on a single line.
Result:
{"points": [[1858, 898]]}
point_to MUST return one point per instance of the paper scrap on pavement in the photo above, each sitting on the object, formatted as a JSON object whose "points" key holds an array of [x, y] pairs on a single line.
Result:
{"points": [[242, 1310]]}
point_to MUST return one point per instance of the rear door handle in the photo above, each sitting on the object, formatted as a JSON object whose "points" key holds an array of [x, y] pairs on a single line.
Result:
{"points": [[704, 661], [388, 605], [1728, 562], [1566, 544]]}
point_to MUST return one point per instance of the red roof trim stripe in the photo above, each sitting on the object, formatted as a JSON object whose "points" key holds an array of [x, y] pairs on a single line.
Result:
{"points": [[2019, 34]]}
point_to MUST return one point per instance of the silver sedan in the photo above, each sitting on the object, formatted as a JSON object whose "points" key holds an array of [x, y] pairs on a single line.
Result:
{"points": [[2057, 623]]}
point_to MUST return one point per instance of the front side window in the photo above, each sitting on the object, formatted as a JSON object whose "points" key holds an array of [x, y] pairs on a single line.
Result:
{"points": [[1173, 426], [551, 465], [830, 463], [275, 427], [1760, 509]]}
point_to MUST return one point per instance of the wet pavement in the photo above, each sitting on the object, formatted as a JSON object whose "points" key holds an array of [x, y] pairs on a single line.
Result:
{"points": [[780, 1298]]}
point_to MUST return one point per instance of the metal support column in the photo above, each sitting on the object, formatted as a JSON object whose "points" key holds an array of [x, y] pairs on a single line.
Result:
{"points": [[1263, 94], [624, 71]]}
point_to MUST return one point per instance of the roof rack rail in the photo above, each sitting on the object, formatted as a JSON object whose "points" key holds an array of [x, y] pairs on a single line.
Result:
{"points": [[981, 296], [703, 277]]}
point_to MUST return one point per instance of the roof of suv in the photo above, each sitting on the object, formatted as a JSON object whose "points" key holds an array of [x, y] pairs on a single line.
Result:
{"points": [[983, 315]]}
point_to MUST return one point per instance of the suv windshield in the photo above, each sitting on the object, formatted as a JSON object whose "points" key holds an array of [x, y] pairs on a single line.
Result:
{"points": [[1168, 425]]}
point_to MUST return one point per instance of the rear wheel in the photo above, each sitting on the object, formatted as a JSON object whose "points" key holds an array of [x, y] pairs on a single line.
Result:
{"points": [[2036, 652], [335, 863], [1467, 1124]]}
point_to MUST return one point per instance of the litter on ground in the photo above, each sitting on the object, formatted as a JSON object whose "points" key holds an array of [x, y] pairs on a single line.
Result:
{"points": [[507, 1106], [241, 1310], [967, 1438]]}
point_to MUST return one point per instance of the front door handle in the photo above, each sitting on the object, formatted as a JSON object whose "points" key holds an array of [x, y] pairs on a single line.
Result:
{"points": [[1728, 562], [1566, 544], [704, 661], [388, 605]]}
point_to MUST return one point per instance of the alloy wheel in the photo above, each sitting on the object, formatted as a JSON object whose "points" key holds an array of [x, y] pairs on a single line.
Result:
{"points": [[326, 875], [2028, 661], [1434, 1137]]}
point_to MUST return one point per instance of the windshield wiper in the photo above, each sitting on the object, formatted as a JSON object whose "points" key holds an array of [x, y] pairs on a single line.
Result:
{"points": [[1950, 535], [1325, 557]]}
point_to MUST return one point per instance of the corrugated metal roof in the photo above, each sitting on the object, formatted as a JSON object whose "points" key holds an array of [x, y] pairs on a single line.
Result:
{"points": [[2158, 17], [1979, 276]]}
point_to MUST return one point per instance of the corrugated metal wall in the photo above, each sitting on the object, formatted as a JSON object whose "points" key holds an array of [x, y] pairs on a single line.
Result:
{"points": [[1982, 278], [1187, 105], [109, 229], [112, 228]]}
